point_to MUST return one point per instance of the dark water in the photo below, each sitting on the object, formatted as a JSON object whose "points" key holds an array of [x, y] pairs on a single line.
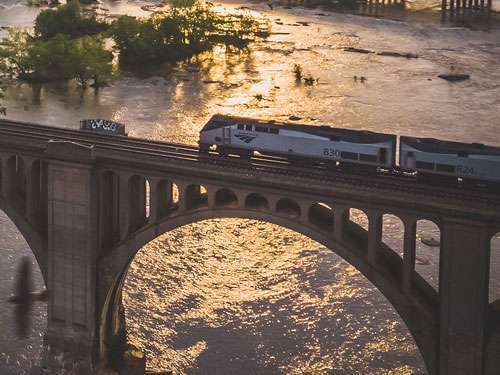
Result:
{"points": [[245, 297]]}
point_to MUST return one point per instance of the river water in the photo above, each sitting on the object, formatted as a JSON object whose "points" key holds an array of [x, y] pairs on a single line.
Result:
{"points": [[245, 297]]}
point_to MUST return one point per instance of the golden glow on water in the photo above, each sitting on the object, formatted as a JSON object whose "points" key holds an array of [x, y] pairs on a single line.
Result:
{"points": [[222, 296]]}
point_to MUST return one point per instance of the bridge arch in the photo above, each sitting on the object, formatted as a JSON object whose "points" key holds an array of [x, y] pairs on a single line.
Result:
{"points": [[26, 214], [419, 314]]}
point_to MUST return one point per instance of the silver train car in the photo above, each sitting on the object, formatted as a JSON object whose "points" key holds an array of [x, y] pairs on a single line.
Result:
{"points": [[297, 142], [468, 161]]}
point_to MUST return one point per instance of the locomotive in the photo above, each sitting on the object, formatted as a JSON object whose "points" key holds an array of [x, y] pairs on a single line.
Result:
{"points": [[366, 150]]}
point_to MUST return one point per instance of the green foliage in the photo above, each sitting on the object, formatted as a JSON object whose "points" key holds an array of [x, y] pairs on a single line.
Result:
{"points": [[67, 43], [90, 60], [69, 20], [181, 32], [14, 53], [57, 59]]}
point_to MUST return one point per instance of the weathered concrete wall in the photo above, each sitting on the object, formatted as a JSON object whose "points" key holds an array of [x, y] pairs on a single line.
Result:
{"points": [[465, 253], [72, 245]]}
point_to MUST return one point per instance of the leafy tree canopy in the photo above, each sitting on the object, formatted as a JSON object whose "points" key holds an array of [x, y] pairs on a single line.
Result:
{"points": [[67, 19], [188, 28], [57, 59]]}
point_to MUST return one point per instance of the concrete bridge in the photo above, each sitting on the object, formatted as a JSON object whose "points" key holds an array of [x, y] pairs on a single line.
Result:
{"points": [[87, 203]]}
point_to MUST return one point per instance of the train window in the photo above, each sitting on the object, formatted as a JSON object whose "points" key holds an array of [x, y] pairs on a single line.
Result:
{"points": [[410, 154], [273, 131], [366, 157], [218, 139], [334, 138], [425, 165], [261, 129], [462, 154], [383, 155], [241, 127], [445, 168], [248, 127], [349, 155]]}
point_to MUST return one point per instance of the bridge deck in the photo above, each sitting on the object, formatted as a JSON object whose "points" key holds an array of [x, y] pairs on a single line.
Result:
{"points": [[154, 155]]}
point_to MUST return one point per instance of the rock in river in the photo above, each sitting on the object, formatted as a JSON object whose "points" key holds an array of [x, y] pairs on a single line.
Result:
{"points": [[452, 77]]}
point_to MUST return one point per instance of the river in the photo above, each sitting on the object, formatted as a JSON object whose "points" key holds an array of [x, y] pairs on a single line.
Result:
{"points": [[246, 297]]}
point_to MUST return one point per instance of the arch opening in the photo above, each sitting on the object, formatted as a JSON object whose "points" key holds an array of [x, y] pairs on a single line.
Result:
{"points": [[359, 217], [256, 201], [196, 197], [288, 207], [428, 249], [226, 198], [193, 294], [393, 231], [321, 215], [494, 282]]}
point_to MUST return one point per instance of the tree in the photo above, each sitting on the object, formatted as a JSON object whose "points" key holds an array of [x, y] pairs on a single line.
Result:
{"points": [[188, 28], [67, 19], [15, 53], [57, 59], [90, 60]]}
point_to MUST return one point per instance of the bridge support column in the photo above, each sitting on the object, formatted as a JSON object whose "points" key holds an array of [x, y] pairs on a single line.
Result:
{"points": [[375, 224], [72, 253], [463, 281], [33, 192], [124, 205], [409, 252], [340, 217], [155, 202]]}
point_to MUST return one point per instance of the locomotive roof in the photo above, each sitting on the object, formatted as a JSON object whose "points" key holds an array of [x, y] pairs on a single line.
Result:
{"points": [[449, 147], [362, 136]]}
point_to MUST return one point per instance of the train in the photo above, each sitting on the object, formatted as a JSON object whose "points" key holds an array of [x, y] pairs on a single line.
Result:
{"points": [[354, 150]]}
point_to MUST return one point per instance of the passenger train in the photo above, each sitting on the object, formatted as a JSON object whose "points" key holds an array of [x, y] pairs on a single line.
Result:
{"points": [[345, 149]]}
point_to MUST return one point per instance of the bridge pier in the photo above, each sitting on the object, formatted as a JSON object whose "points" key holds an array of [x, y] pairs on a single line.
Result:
{"points": [[72, 252], [409, 251], [375, 224], [464, 277]]}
